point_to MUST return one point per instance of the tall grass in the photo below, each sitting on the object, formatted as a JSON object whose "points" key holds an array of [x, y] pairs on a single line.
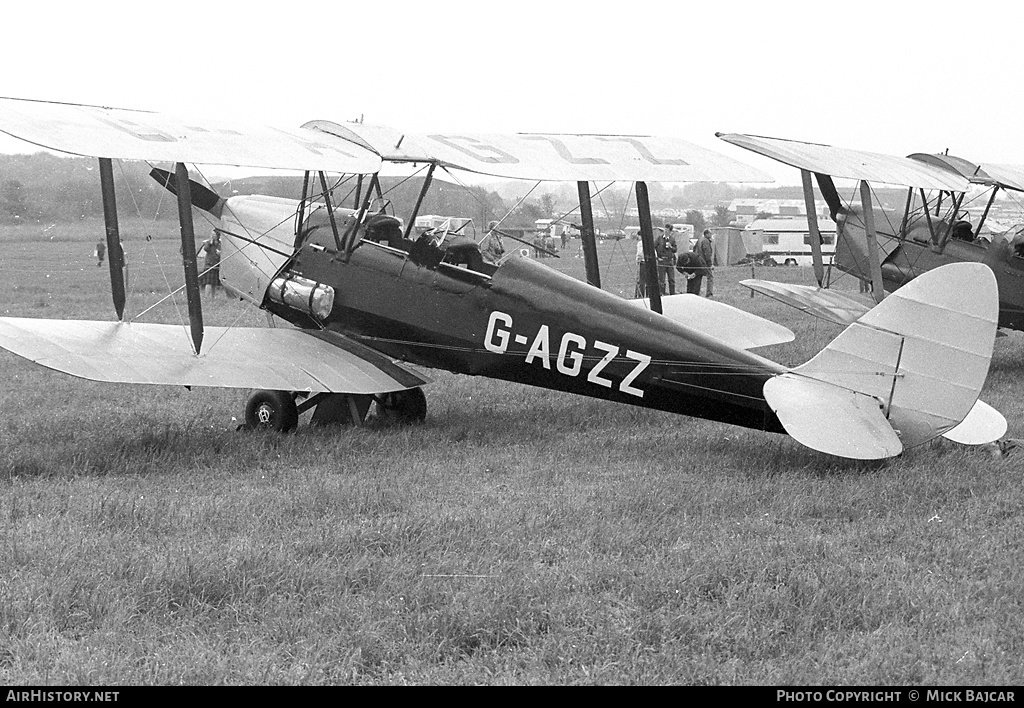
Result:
{"points": [[518, 536]]}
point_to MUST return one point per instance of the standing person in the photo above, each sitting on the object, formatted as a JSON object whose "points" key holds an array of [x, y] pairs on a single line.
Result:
{"points": [[665, 248], [705, 248], [210, 278], [641, 278], [101, 251], [124, 262], [494, 249]]}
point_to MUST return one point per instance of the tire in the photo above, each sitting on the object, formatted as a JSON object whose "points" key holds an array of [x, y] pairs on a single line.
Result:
{"points": [[271, 410], [404, 407]]}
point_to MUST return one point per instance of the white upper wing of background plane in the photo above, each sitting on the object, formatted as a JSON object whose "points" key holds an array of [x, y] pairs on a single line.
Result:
{"points": [[1006, 176], [850, 164], [1009, 176], [558, 158], [95, 131]]}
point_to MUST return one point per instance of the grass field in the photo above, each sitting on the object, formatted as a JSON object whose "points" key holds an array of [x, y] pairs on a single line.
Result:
{"points": [[518, 536]]}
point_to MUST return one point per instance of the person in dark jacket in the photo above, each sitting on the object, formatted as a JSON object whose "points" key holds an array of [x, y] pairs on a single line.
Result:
{"points": [[690, 265], [665, 248], [705, 248]]}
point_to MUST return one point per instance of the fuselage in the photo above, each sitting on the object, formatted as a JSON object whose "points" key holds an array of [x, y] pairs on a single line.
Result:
{"points": [[524, 322], [905, 258]]}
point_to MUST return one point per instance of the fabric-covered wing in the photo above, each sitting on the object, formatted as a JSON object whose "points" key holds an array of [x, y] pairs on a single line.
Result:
{"points": [[850, 164], [560, 158], [96, 131], [824, 303], [723, 322], [1008, 176], [241, 357]]}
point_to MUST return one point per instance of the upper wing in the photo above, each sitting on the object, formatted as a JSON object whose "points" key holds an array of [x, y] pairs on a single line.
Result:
{"points": [[825, 303], [850, 164], [1009, 176], [283, 359], [1006, 176], [723, 322], [95, 131], [561, 158]]}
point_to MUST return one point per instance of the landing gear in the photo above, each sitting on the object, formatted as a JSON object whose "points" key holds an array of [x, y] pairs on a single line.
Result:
{"points": [[408, 406], [271, 410], [278, 410]]}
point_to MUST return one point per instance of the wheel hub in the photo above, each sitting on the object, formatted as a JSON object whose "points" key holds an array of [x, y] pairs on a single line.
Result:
{"points": [[264, 413]]}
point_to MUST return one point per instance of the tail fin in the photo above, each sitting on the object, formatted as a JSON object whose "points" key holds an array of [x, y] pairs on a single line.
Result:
{"points": [[921, 355]]}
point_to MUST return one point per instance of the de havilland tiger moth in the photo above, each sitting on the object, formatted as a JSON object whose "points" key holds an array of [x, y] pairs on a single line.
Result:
{"points": [[369, 304]]}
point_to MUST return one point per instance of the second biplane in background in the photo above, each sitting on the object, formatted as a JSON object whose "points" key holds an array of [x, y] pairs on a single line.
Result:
{"points": [[888, 248]]}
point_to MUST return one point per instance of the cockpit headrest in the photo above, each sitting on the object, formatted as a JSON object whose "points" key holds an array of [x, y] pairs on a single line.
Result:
{"points": [[382, 227]]}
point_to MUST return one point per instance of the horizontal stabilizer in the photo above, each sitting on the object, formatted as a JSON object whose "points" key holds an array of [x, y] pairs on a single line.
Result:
{"points": [[984, 424], [723, 322], [283, 359], [831, 419], [823, 303], [923, 352]]}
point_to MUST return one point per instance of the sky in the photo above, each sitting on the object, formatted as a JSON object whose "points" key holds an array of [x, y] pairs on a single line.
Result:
{"points": [[893, 77]]}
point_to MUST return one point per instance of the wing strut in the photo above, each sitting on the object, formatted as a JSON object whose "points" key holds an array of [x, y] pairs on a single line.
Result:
{"points": [[877, 288], [330, 212], [812, 227], [587, 235], [115, 256], [988, 205], [419, 200], [188, 255], [643, 205]]}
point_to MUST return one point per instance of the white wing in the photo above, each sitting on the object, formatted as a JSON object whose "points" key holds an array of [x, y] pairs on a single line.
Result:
{"points": [[240, 357], [562, 158], [95, 131], [850, 164], [726, 323], [824, 303]]}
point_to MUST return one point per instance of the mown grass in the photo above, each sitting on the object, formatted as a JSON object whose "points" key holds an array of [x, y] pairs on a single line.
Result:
{"points": [[518, 536]]}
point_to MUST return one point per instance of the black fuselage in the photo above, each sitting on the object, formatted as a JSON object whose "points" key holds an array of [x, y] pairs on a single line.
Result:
{"points": [[524, 322]]}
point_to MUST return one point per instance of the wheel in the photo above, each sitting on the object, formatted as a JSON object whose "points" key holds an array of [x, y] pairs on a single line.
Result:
{"points": [[790, 262], [408, 406], [271, 410]]}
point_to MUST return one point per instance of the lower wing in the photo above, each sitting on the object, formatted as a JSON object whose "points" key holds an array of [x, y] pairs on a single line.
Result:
{"points": [[726, 323], [834, 306], [284, 359]]}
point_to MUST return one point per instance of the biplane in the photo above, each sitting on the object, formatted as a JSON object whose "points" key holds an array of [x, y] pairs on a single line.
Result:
{"points": [[368, 303], [889, 247]]}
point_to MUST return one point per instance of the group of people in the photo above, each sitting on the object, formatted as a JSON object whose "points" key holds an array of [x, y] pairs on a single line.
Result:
{"points": [[695, 266]]}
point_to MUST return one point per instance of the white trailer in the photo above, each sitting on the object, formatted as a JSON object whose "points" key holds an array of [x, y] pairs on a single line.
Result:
{"points": [[788, 241]]}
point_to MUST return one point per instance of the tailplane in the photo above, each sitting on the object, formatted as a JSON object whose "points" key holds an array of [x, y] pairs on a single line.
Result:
{"points": [[917, 361]]}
